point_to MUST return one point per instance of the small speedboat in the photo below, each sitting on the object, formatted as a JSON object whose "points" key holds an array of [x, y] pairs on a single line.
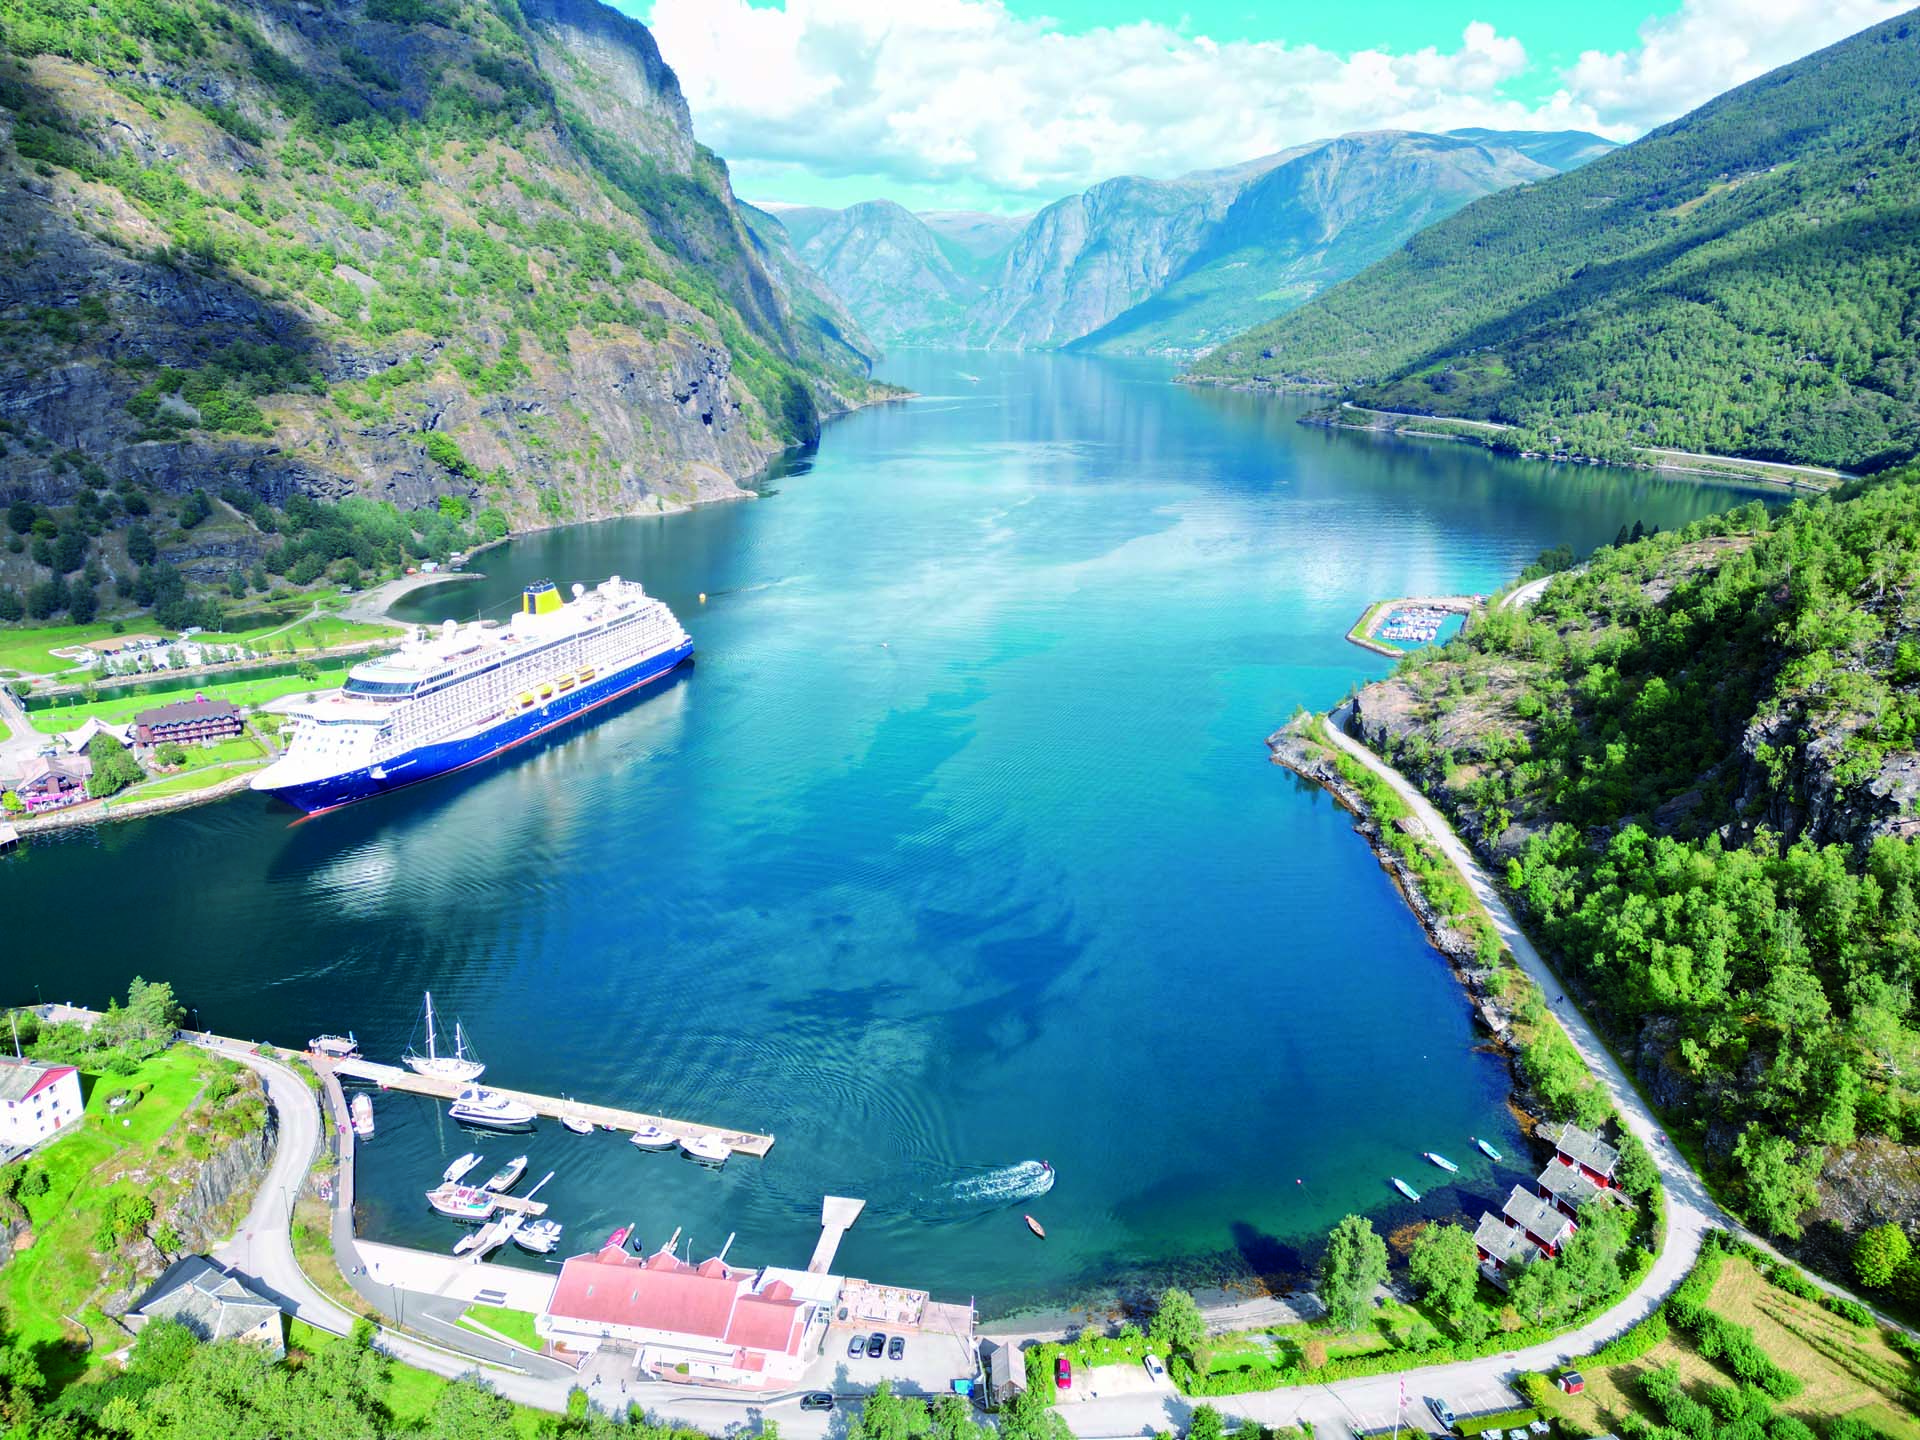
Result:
{"points": [[335, 1047], [491, 1110], [577, 1125], [462, 1202], [1035, 1226], [1486, 1149], [1441, 1161], [362, 1109], [508, 1175], [1404, 1188], [539, 1236], [618, 1239], [652, 1137], [707, 1149], [457, 1171]]}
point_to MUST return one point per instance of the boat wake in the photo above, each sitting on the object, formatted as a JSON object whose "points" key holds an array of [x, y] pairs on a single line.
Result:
{"points": [[986, 1190]]}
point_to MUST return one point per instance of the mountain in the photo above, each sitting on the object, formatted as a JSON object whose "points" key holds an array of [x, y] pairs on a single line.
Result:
{"points": [[972, 240], [1307, 223], [891, 270], [1695, 762], [1741, 281], [1556, 149], [403, 249]]}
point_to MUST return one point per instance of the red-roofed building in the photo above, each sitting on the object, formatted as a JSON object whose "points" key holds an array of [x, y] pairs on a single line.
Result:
{"points": [[36, 1101], [724, 1326]]}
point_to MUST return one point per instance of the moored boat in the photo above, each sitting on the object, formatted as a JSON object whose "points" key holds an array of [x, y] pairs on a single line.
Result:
{"points": [[1035, 1226], [457, 1171], [577, 1125], [335, 1047], [652, 1137], [707, 1149], [1485, 1149], [459, 1067], [507, 1176], [539, 1236], [490, 1109], [618, 1239], [462, 1202], [1441, 1161], [362, 1109], [1404, 1188]]}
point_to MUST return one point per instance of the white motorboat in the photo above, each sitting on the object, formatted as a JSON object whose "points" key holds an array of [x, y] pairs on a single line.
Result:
{"points": [[459, 1067], [578, 1124], [707, 1149], [652, 1137], [508, 1175], [463, 1202], [335, 1047], [362, 1109], [457, 1171], [539, 1236], [491, 1109], [1441, 1161]]}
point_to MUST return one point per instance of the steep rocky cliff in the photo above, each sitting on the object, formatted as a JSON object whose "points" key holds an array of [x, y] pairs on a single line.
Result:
{"points": [[890, 268], [266, 243]]}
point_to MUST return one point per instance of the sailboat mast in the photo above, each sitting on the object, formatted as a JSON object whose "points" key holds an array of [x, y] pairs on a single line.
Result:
{"points": [[433, 1052]]}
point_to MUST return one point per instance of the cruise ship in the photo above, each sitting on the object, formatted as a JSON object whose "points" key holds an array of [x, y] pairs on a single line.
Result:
{"points": [[454, 696]]}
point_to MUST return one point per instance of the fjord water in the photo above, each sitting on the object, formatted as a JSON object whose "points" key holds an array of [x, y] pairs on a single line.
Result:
{"points": [[958, 846]]}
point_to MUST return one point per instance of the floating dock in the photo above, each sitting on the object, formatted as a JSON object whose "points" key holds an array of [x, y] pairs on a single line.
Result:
{"points": [[837, 1213], [393, 1077], [9, 837]]}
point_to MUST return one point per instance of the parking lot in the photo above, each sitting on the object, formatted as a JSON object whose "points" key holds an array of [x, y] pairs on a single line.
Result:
{"points": [[932, 1362], [1106, 1382]]}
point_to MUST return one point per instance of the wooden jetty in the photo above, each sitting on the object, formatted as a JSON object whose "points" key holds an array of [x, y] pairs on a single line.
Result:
{"points": [[393, 1077], [837, 1213], [9, 837]]}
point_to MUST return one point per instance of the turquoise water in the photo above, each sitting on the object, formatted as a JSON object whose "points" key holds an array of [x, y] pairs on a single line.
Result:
{"points": [[958, 847]]}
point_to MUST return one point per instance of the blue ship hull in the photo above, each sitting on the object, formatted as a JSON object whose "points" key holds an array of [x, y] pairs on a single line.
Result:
{"points": [[432, 761]]}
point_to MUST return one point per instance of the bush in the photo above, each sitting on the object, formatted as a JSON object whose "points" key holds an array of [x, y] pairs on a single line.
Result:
{"points": [[1638, 1341], [1878, 1255]]}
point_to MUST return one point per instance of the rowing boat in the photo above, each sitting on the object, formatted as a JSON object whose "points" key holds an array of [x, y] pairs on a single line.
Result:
{"points": [[1486, 1149], [1035, 1226], [1441, 1161], [1404, 1188]]}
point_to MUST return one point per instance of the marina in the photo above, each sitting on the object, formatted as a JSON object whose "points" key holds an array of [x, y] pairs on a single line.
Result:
{"points": [[1389, 627], [713, 1138]]}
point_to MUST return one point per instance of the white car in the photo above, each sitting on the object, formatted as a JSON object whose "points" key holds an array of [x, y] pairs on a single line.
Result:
{"points": [[1156, 1372]]}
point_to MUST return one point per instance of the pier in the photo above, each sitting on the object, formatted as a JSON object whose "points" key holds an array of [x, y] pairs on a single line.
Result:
{"points": [[393, 1077], [837, 1213]]}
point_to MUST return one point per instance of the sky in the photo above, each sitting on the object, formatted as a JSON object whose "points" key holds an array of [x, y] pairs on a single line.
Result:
{"points": [[1007, 105]]}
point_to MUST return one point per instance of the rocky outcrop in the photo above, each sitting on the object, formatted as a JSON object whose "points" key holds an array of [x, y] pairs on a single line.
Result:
{"points": [[890, 269]]}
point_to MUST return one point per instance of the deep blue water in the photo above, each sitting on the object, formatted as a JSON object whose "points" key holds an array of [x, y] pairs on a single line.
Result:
{"points": [[958, 846]]}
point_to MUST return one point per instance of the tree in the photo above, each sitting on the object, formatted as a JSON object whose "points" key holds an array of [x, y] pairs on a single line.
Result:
{"points": [[82, 604], [1879, 1254], [952, 1420], [1207, 1424], [194, 509], [1178, 1326], [1029, 1417], [113, 767], [467, 1408], [170, 754], [887, 1416], [12, 607], [1352, 1268], [1445, 1267], [237, 583], [20, 516], [1780, 1187], [140, 547]]}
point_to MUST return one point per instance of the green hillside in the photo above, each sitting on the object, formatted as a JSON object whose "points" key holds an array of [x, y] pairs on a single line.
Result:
{"points": [[443, 257], [1741, 281]]}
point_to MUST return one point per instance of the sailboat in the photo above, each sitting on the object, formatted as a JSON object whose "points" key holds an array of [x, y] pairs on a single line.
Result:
{"points": [[458, 1067]]}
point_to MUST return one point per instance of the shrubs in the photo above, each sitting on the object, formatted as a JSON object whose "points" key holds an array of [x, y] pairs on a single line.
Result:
{"points": [[1638, 1341], [1879, 1254]]}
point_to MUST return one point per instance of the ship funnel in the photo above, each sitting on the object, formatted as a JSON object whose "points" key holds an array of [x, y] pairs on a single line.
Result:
{"points": [[540, 598]]}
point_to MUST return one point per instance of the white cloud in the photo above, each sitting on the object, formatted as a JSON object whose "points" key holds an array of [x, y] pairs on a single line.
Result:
{"points": [[1709, 46], [921, 94]]}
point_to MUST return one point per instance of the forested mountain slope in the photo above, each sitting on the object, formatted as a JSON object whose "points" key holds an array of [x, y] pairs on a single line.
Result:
{"points": [[1699, 760], [402, 249], [1741, 281]]}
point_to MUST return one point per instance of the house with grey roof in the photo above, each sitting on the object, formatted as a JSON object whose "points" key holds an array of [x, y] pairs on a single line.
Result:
{"points": [[215, 1305], [1596, 1159]]}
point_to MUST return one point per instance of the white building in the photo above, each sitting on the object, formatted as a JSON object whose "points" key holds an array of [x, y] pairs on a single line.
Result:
{"points": [[36, 1101], [705, 1324]]}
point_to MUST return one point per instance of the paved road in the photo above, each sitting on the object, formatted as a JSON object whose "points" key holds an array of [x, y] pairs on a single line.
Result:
{"points": [[1524, 595]]}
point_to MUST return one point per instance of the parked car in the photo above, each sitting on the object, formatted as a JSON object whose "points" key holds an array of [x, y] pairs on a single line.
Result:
{"points": [[1156, 1372], [897, 1347], [1441, 1411], [856, 1347], [1062, 1373], [876, 1345], [816, 1400]]}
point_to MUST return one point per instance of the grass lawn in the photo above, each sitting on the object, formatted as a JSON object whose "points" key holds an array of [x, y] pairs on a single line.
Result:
{"points": [[313, 1248], [410, 1393], [308, 633], [515, 1325], [183, 784], [240, 692], [58, 1274], [1847, 1370], [30, 648]]}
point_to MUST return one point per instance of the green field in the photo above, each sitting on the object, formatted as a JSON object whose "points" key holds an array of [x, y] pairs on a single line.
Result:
{"points": [[514, 1325], [31, 649], [317, 632], [240, 692], [58, 1274], [182, 784]]}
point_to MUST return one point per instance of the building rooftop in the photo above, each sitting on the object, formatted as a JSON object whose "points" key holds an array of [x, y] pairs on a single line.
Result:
{"points": [[22, 1079], [1502, 1241], [198, 708], [1537, 1217], [662, 1292], [1568, 1183], [1584, 1148], [212, 1303], [74, 767]]}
